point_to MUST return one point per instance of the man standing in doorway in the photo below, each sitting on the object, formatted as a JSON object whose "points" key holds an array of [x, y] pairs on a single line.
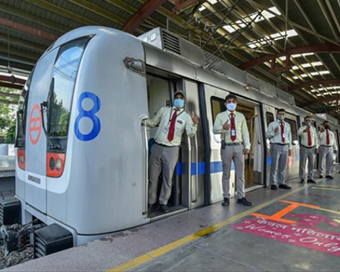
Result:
{"points": [[235, 144], [172, 122], [309, 147], [327, 147], [280, 137]]}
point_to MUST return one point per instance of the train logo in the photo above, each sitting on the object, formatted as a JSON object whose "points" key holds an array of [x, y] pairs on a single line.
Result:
{"points": [[35, 124]]}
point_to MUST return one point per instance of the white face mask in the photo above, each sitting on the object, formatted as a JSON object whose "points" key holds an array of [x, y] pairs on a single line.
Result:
{"points": [[280, 117], [231, 106]]}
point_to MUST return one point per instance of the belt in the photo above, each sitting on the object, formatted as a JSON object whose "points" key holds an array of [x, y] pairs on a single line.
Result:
{"points": [[167, 145], [326, 145], [233, 143], [309, 147], [279, 144]]}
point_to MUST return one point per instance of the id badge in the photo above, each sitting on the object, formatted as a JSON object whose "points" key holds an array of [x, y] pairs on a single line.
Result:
{"points": [[233, 132], [166, 128]]}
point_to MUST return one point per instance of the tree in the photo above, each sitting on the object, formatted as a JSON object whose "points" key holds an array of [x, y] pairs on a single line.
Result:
{"points": [[8, 108]]}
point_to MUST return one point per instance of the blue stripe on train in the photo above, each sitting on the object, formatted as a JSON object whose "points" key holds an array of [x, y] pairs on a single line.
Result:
{"points": [[215, 167]]}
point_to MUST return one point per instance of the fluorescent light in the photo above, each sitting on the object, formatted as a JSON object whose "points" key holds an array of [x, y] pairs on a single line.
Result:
{"points": [[240, 23], [201, 8], [296, 55], [282, 58], [275, 10], [307, 54], [324, 72], [295, 77], [251, 45], [291, 33], [317, 63], [212, 1], [267, 14], [229, 28]]}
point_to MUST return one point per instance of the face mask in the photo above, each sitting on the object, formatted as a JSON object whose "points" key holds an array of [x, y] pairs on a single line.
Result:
{"points": [[231, 106], [308, 123], [178, 103], [327, 127], [280, 117]]}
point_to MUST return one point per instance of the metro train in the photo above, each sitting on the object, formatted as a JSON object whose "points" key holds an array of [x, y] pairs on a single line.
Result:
{"points": [[82, 146]]}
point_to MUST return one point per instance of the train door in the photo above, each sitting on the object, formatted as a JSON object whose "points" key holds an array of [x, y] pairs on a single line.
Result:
{"points": [[293, 163], [294, 159], [316, 156], [215, 99], [187, 186], [35, 174]]}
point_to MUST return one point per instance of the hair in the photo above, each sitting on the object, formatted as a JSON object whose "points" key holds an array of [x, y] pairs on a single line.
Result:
{"points": [[307, 116], [324, 122], [281, 110], [231, 96]]}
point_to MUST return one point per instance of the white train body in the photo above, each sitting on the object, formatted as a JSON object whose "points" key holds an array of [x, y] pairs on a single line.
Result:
{"points": [[87, 171]]}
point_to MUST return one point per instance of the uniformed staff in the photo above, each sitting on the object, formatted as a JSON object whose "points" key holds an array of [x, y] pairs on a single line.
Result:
{"points": [[280, 137], [235, 144], [309, 147], [327, 147], [172, 122]]}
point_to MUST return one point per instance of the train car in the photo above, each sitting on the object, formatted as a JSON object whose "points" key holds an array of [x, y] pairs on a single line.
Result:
{"points": [[83, 148]]}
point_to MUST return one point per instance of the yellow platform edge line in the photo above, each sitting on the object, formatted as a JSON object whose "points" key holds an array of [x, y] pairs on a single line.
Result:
{"points": [[169, 247]]}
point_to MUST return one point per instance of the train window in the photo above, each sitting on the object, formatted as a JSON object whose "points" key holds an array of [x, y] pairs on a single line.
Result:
{"points": [[21, 113], [61, 89], [217, 106], [269, 117], [293, 128]]}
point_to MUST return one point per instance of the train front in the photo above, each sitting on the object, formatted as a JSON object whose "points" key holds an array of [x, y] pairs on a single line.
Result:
{"points": [[80, 144]]}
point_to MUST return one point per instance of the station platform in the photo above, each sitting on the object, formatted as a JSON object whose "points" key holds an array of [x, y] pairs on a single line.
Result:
{"points": [[286, 230]]}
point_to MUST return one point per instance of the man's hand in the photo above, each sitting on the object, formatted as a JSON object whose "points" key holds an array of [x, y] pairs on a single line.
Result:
{"points": [[316, 151], [289, 152], [226, 125], [335, 151], [194, 118], [246, 151], [307, 130], [276, 129]]}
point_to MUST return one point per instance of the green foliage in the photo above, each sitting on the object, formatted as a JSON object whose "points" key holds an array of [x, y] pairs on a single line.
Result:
{"points": [[7, 116]]}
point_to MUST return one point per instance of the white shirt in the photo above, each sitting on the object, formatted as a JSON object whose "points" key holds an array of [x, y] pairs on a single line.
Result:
{"points": [[304, 136], [323, 139], [163, 118], [275, 137], [242, 134]]}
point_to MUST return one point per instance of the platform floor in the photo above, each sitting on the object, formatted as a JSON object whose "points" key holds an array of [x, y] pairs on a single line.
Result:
{"points": [[286, 230]]}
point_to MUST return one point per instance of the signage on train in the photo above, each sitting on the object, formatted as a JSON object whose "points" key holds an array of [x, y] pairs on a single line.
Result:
{"points": [[90, 114], [35, 124]]}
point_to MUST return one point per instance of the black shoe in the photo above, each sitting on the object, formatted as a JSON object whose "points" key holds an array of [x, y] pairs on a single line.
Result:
{"points": [[226, 202], [164, 208], [321, 176], [273, 187], [329, 177], [311, 181], [244, 201], [284, 186], [302, 181], [153, 207]]}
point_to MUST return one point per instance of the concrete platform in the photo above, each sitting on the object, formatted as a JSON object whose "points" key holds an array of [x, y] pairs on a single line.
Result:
{"points": [[288, 230]]}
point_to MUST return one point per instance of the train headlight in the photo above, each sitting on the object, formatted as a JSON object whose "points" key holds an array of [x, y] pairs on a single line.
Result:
{"points": [[58, 164]]}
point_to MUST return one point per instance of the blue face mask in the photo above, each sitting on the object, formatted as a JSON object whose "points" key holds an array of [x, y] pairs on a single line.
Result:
{"points": [[231, 106], [178, 103]]}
